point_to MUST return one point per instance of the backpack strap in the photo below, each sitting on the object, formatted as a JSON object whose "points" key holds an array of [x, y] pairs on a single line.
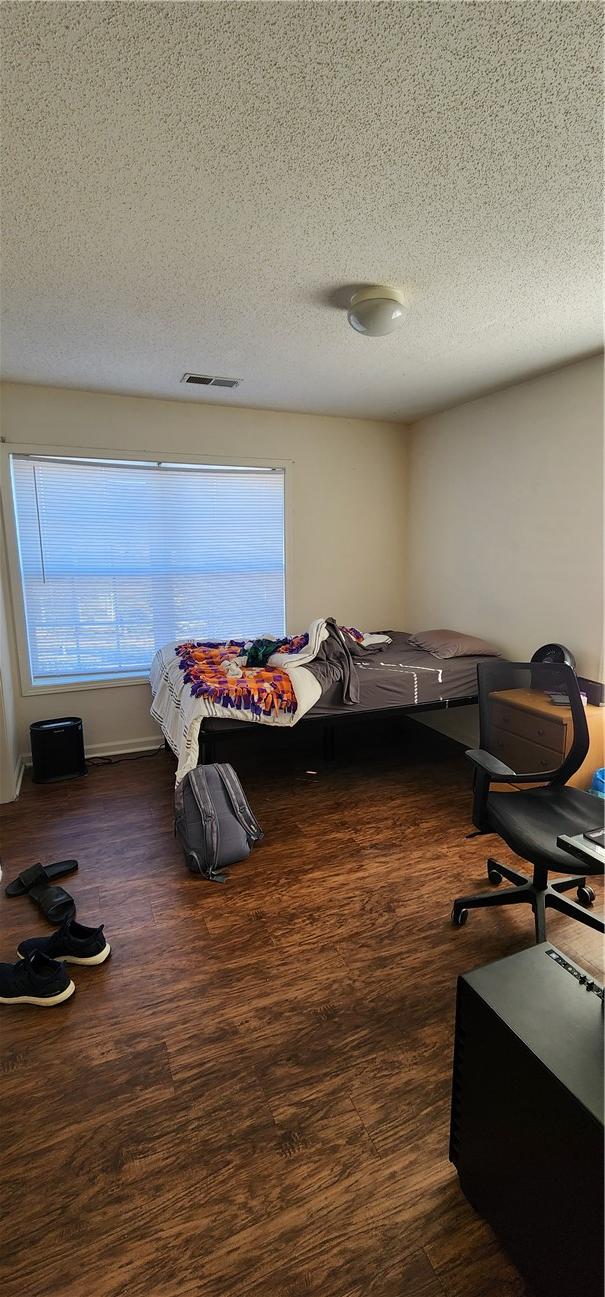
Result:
{"points": [[239, 802], [205, 805]]}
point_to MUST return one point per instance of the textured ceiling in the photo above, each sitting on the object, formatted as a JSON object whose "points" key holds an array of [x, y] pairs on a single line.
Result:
{"points": [[188, 187]]}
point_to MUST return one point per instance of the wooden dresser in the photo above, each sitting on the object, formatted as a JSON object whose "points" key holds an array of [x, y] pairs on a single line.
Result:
{"points": [[530, 734]]}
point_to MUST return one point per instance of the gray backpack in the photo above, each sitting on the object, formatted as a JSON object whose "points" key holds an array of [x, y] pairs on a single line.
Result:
{"points": [[213, 820]]}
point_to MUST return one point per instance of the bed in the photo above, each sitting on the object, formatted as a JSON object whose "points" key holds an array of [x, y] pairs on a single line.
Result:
{"points": [[394, 677]]}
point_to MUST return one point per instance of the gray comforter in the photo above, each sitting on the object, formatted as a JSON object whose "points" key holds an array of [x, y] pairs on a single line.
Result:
{"points": [[400, 675], [335, 666]]}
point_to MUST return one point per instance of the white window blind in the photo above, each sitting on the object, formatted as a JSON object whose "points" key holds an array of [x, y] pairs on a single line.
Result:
{"points": [[120, 558]]}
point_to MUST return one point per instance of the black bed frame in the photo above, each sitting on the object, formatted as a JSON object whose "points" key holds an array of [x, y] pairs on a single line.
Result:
{"points": [[207, 738]]}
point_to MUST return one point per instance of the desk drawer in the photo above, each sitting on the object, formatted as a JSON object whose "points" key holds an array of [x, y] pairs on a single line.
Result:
{"points": [[524, 757], [543, 731]]}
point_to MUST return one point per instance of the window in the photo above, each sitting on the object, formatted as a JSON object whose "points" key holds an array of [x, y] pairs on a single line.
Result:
{"points": [[118, 558]]}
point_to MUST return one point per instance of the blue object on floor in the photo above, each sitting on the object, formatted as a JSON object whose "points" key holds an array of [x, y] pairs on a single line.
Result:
{"points": [[598, 782]]}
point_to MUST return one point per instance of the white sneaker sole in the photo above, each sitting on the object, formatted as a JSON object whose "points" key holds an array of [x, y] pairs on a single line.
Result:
{"points": [[45, 1002], [73, 959]]}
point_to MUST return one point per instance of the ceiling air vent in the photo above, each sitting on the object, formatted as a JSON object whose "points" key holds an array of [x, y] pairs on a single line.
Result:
{"points": [[210, 380]]}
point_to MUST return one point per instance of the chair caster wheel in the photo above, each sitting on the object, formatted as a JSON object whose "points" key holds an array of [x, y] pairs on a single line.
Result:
{"points": [[459, 917], [585, 895], [494, 876]]}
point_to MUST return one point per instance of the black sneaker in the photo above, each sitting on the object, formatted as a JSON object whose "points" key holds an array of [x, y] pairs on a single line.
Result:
{"points": [[35, 980], [72, 943]]}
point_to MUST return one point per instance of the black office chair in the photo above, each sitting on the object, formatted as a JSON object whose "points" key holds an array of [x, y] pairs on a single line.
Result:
{"points": [[530, 820]]}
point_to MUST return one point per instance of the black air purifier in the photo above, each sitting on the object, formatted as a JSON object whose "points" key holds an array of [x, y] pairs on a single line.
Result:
{"points": [[57, 749]]}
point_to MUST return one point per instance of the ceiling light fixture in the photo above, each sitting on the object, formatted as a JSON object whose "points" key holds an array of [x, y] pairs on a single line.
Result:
{"points": [[376, 311]]}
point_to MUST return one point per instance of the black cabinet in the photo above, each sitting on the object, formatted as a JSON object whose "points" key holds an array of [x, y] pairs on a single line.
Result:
{"points": [[527, 1114]]}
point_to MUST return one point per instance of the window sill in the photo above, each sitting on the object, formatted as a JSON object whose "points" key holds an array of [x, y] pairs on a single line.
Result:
{"points": [[62, 686]]}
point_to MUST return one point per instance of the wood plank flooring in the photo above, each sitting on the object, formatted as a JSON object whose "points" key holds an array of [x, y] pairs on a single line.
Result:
{"points": [[251, 1097]]}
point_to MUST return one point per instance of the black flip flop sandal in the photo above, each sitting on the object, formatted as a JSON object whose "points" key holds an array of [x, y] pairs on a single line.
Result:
{"points": [[36, 873], [55, 903]]}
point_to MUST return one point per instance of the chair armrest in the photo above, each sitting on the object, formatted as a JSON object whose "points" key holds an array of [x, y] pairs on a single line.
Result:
{"points": [[492, 767]]}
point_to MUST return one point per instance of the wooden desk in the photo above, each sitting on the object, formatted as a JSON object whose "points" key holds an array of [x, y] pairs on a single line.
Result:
{"points": [[590, 855], [530, 734]]}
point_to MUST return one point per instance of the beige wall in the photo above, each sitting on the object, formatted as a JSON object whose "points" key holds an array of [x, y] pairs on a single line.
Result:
{"points": [[10, 765], [347, 527], [505, 520]]}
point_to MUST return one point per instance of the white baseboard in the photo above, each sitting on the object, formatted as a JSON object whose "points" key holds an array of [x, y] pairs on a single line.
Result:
{"points": [[19, 773], [118, 749], [9, 788], [111, 749]]}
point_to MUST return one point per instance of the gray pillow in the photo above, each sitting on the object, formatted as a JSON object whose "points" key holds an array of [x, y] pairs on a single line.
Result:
{"points": [[452, 644]]}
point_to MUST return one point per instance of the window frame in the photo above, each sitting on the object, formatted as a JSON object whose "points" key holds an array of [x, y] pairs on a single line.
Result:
{"points": [[16, 593]]}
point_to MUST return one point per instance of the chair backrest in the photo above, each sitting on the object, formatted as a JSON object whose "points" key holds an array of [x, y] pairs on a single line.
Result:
{"points": [[529, 713]]}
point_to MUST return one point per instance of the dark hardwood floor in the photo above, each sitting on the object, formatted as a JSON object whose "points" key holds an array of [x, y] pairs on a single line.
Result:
{"points": [[251, 1096]]}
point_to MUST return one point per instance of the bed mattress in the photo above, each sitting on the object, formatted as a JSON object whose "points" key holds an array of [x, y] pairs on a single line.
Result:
{"points": [[404, 676], [398, 676]]}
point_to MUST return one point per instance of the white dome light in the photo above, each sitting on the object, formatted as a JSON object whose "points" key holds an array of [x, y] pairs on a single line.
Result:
{"points": [[376, 311]]}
